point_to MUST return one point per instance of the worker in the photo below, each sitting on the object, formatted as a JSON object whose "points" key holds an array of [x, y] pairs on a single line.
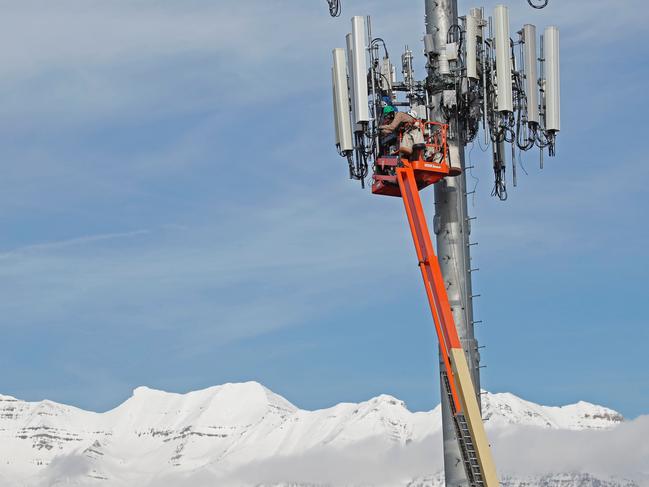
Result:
{"points": [[412, 140], [388, 113]]}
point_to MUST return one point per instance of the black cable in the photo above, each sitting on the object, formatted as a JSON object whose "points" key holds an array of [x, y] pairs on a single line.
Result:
{"points": [[520, 162], [378, 39], [543, 4], [449, 34], [350, 161], [358, 167], [500, 188], [335, 8]]}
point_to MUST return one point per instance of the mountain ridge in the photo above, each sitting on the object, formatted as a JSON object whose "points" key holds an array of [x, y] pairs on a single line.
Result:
{"points": [[231, 430]]}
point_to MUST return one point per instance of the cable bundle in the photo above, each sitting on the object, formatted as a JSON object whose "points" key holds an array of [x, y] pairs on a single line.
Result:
{"points": [[335, 7]]}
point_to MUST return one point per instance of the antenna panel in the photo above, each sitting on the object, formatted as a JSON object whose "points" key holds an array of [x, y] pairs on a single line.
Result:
{"points": [[552, 79], [350, 70], [531, 85], [341, 97], [503, 59], [471, 47], [443, 66], [359, 75], [386, 74], [335, 105]]}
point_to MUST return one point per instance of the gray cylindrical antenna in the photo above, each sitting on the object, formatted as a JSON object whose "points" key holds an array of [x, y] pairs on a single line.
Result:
{"points": [[443, 66], [476, 13], [531, 85], [335, 105], [341, 96], [359, 63], [407, 70], [386, 74], [503, 59], [471, 46], [350, 71], [552, 79]]}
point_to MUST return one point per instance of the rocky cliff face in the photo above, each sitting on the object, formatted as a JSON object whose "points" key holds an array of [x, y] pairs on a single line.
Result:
{"points": [[244, 434]]}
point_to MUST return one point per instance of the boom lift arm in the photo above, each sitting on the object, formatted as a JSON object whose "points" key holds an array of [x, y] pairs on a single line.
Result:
{"points": [[474, 446]]}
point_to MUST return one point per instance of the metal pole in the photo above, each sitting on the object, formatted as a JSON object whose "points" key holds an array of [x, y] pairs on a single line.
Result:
{"points": [[452, 229]]}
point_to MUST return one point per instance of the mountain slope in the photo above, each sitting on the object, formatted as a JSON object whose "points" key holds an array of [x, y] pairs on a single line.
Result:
{"points": [[503, 409], [244, 434]]}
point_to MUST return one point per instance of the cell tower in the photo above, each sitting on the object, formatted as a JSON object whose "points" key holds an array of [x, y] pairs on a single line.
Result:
{"points": [[411, 133]]}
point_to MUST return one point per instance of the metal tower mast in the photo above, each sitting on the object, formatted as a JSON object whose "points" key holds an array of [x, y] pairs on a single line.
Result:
{"points": [[451, 226]]}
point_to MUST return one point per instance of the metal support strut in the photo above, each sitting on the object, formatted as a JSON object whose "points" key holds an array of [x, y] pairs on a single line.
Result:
{"points": [[467, 419]]}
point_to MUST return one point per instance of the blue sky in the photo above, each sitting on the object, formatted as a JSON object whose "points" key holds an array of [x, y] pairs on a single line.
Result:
{"points": [[174, 214]]}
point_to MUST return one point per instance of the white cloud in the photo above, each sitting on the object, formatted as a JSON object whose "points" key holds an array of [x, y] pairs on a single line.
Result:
{"points": [[248, 272], [620, 454], [73, 242]]}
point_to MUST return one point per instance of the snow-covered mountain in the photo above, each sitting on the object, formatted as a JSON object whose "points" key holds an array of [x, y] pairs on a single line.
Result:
{"points": [[507, 409], [244, 434]]}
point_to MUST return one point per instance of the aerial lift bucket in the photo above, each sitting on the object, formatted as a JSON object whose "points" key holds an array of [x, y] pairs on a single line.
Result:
{"points": [[430, 165]]}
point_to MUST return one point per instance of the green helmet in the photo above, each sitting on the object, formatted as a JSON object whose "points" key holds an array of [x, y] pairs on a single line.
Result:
{"points": [[388, 109]]}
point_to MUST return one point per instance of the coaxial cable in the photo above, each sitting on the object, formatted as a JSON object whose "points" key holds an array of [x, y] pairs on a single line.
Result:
{"points": [[542, 4], [334, 8]]}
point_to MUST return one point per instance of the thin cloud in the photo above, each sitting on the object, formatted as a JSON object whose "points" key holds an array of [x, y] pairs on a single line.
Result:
{"points": [[72, 242]]}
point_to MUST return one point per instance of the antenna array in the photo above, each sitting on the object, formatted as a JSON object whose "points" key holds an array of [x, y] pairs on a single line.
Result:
{"points": [[480, 77]]}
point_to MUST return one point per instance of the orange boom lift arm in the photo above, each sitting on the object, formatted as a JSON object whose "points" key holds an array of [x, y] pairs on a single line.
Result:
{"points": [[402, 177], [469, 429]]}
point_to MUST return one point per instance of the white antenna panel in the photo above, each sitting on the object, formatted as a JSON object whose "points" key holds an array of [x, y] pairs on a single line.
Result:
{"points": [[335, 105], [552, 79], [531, 85], [503, 59], [341, 101], [471, 46], [476, 12], [359, 75], [386, 74], [443, 66], [350, 71]]}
